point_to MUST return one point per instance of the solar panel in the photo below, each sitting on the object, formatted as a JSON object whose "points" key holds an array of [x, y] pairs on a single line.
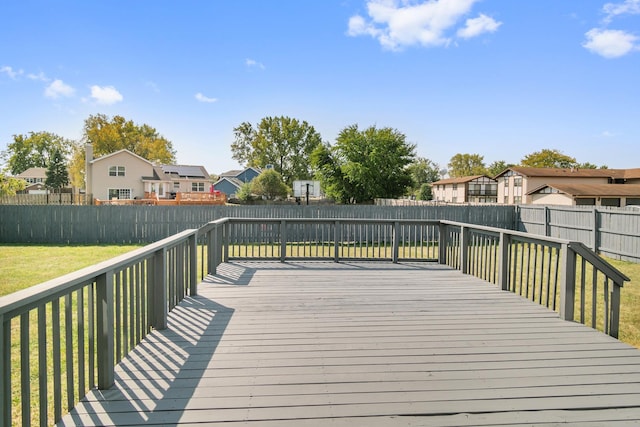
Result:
{"points": [[184, 171]]}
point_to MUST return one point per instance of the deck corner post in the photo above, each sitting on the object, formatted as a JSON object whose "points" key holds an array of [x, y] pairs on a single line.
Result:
{"points": [[337, 237], [158, 289], [503, 253], [464, 249], [105, 333], [193, 264], [283, 240], [442, 243], [5, 369], [567, 282], [396, 241]]}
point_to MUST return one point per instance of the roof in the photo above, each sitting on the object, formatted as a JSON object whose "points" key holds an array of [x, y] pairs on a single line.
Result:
{"points": [[33, 173], [459, 180], [572, 172], [106, 156], [594, 190], [235, 172], [185, 171]]}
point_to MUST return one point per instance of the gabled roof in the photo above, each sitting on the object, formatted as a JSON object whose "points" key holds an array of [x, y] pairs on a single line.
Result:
{"points": [[107, 156], [235, 172], [233, 181], [460, 180], [593, 190], [568, 172], [33, 173]]}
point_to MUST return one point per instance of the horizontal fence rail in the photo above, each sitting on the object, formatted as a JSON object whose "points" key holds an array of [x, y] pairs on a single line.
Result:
{"points": [[64, 337]]}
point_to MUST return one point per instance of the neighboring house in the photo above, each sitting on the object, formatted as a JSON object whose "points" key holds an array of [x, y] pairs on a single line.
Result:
{"points": [[125, 175], [230, 182], [586, 195], [35, 178], [517, 184], [466, 189]]}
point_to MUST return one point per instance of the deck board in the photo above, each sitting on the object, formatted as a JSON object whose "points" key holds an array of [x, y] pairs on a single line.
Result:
{"points": [[361, 344]]}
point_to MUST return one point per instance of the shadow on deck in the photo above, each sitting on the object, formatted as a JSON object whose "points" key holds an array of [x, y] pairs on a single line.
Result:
{"points": [[363, 344]]}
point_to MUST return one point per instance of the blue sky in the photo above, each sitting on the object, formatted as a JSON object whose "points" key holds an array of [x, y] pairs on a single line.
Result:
{"points": [[501, 78]]}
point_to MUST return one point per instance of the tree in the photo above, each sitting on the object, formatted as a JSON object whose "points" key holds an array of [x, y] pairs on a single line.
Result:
{"points": [[76, 166], [423, 171], [283, 142], [425, 192], [270, 185], [57, 175], [363, 165], [467, 165], [9, 186], [34, 150], [110, 135], [497, 167], [548, 158], [244, 193]]}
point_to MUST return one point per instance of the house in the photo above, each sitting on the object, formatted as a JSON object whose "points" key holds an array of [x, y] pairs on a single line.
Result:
{"points": [[586, 195], [517, 184], [466, 189], [229, 182], [124, 175], [35, 178]]}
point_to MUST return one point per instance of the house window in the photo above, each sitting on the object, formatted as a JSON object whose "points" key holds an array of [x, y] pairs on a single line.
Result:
{"points": [[116, 171], [517, 181], [517, 200], [176, 185], [120, 193], [197, 186]]}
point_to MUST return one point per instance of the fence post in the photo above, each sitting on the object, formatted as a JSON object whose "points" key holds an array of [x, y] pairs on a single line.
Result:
{"points": [[464, 246], [547, 221], [337, 237], [5, 369], [396, 241], [158, 288], [283, 240], [503, 253], [193, 264], [596, 230], [567, 282], [442, 243], [104, 339]]}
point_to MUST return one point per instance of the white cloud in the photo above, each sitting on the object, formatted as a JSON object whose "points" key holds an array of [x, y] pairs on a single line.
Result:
{"points": [[628, 7], [476, 26], [200, 97], [58, 89], [106, 95], [252, 63], [39, 77], [9, 71], [610, 43], [400, 23]]}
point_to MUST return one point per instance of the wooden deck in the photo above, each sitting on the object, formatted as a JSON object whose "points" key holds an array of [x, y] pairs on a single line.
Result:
{"points": [[364, 344]]}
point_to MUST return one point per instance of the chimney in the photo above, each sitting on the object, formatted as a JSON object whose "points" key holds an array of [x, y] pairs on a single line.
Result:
{"points": [[88, 175]]}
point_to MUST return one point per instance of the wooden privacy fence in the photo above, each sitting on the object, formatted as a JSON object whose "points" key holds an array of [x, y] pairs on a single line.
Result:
{"points": [[613, 232], [64, 337]]}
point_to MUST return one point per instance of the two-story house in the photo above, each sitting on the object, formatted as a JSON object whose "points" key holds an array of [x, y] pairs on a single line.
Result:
{"points": [[466, 189], [230, 182]]}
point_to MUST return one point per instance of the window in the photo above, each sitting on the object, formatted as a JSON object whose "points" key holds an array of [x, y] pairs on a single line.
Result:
{"points": [[176, 185], [197, 186], [517, 181], [120, 193], [116, 171], [517, 200]]}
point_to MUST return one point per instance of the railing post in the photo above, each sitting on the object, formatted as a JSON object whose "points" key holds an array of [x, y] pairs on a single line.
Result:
{"points": [[567, 282], [283, 240], [464, 246], [337, 237], [442, 243], [503, 253], [5, 369], [396, 241], [212, 250], [226, 237], [158, 288], [614, 326], [105, 325], [193, 264]]}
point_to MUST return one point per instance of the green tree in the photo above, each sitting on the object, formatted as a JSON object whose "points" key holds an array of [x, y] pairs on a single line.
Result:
{"points": [[270, 185], [57, 175], [111, 135], [423, 171], [34, 150], [244, 193], [9, 186], [363, 165], [497, 167], [425, 192], [548, 158], [467, 165], [283, 142]]}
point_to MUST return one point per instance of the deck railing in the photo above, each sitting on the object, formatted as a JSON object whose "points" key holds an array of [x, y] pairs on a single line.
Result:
{"points": [[64, 337]]}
